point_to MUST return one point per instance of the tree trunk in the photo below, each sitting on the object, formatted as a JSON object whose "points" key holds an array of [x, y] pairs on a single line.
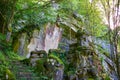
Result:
{"points": [[9, 27], [2, 23]]}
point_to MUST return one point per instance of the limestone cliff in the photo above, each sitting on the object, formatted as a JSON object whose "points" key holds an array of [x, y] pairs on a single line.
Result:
{"points": [[46, 38]]}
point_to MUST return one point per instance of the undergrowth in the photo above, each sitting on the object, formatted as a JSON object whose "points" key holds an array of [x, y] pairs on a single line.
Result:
{"points": [[6, 55]]}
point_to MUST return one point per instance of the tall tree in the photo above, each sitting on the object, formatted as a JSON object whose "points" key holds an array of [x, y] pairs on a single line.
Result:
{"points": [[111, 10]]}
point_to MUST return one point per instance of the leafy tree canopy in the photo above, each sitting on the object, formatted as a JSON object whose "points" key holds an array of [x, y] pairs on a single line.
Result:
{"points": [[75, 14]]}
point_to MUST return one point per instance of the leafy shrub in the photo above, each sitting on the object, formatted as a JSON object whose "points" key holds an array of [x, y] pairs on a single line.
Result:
{"points": [[2, 71], [5, 73], [2, 58], [2, 37], [13, 55], [10, 75]]}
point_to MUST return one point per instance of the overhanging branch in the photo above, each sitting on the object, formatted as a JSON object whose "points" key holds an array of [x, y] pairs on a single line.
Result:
{"points": [[30, 8]]}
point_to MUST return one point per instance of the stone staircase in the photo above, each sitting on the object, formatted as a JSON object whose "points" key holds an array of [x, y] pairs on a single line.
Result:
{"points": [[23, 72]]}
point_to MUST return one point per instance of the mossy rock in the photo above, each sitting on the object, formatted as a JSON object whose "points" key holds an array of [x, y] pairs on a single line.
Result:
{"points": [[16, 46], [82, 48], [80, 33], [55, 51], [42, 52], [10, 29], [52, 56], [39, 53], [90, 79], [105, 76], [74, 45]]}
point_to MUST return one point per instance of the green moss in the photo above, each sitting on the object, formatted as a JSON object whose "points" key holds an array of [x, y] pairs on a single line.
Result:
{"points": [[90, 79], [26, 47], [56, 58], [16, 46], [10, 29], [105, 76]]}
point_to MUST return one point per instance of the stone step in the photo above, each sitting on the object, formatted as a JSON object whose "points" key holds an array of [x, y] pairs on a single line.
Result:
{"points": [[22, 68], [23, 72], [16, 62], [29, 78]]}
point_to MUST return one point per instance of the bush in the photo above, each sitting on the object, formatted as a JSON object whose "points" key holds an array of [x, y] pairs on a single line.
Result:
{"points": [[13, 55], [10, 75], [2, 72], [2, 58], [2, 37], [5, 73]]}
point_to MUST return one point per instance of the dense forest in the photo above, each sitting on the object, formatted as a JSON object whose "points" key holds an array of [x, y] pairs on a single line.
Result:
{"points": [[59, 40]]}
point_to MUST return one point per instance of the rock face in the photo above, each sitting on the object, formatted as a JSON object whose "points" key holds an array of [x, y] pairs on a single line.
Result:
{"points": [[46, 38], [49, 65], [84, 59], [20, 44], [58, 75], [34, 56]]}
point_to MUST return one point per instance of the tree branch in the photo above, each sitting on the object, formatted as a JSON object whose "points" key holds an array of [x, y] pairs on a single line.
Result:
{"points": [[2, 15], [30, 8]]}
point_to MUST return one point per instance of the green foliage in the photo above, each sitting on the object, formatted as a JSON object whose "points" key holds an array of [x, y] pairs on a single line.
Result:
{"points": [[2, 71], [10, 75], [2, 37], [14, 56], [2, 57], [4, 68], [6, 74], [40, 66], [87, 16], [33, 12], [90, 79], [3, 60], [26, 61], [4, 46]]}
